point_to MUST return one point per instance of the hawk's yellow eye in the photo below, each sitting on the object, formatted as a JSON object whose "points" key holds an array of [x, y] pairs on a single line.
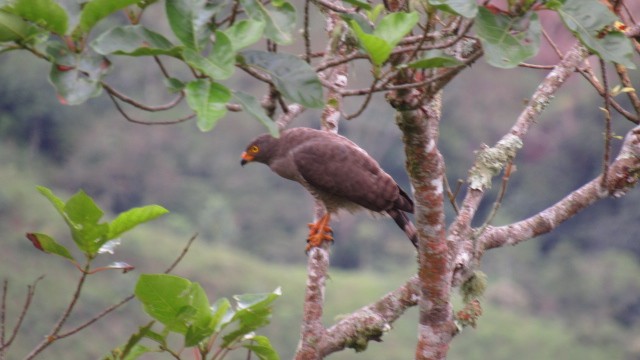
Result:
{"points": [[254, 149]]}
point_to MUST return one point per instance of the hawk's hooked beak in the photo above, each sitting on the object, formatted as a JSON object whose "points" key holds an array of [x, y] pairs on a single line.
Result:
{"points": [[246, 158]]}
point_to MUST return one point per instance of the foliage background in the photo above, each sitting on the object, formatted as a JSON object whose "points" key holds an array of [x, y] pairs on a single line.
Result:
{"points": [[572, 294]]}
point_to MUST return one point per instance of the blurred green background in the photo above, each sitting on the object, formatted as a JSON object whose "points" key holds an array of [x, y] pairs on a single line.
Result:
{"points": [[573, 294]]}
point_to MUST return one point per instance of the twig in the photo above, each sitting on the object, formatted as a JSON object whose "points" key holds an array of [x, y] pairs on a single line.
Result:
{"points": [[3, 309], [623, 74], [587, 73], [113, 307], [31, 289], [365, 102], [182, 254], [453, 194], [552, 43], [144, 122], [305, 34], [52, 336], [161, 66], [535, 66], [607, 124], [498, 202], [140, 105]]}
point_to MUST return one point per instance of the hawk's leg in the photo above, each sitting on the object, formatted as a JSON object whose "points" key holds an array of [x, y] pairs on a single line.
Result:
{"points": [[319, 232]]}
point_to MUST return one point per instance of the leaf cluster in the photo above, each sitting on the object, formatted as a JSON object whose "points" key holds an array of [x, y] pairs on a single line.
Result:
{"points": [[183, 308]]}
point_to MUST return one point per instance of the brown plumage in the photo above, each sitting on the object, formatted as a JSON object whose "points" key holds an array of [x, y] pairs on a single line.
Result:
{"points": [[337, 172]]}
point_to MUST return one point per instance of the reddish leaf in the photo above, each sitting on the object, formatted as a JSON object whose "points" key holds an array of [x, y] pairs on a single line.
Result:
{"points": [[34, 240]]}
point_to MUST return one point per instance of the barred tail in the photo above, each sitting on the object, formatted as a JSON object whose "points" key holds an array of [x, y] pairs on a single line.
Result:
{"points": [[405, 224]]}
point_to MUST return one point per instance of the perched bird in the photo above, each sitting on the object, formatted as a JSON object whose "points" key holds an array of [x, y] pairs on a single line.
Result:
{"points": [[337, 172]]}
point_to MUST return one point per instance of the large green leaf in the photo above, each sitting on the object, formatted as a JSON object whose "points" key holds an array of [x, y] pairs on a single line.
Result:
{"points": [[508, 41], [76, 77], [219, 64], [252, 106], [189, 20], [129, 219], [294, 78], [176, 302], [393, 27], [96, 10], [13, 27], [134, 40], [590, 21], [378, 49], [466, 8], [45, 13], [279, 19], [380, 43], [208, 100], [245, 33]]}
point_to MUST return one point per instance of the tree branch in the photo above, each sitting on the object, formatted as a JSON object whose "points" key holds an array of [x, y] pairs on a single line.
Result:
{"points": [[313, 330], [624, 173], [490, 161], [372, 321]]}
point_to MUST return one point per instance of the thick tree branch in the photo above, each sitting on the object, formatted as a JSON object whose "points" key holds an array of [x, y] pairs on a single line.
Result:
{"points": [[425, 166], [313, 331], [372, 321], [491, 160], [624, 173]]}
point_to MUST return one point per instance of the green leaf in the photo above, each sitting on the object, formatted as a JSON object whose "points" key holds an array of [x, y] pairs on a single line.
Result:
{"points": [[96, 10], [378, 49], [82, 215], [82, 210], [173, 85], [56, 201], [13, 27], [208, 100], [279, 19], [508, 41], [252, 106], [466, 8], [435, 59], [219, 64], [189, 20], [47, 244], [254, 311], [295, 79], [174, 301], [261, 346], [222, 314], [129, 219], [393, 27], [245, 33], [134, 40], [76, 77], [373, 14], [45, 13], [590, 20], [255, 301]]}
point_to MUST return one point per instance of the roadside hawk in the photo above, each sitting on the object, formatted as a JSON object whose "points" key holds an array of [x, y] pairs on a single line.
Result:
{"points": [[337, 172]]}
